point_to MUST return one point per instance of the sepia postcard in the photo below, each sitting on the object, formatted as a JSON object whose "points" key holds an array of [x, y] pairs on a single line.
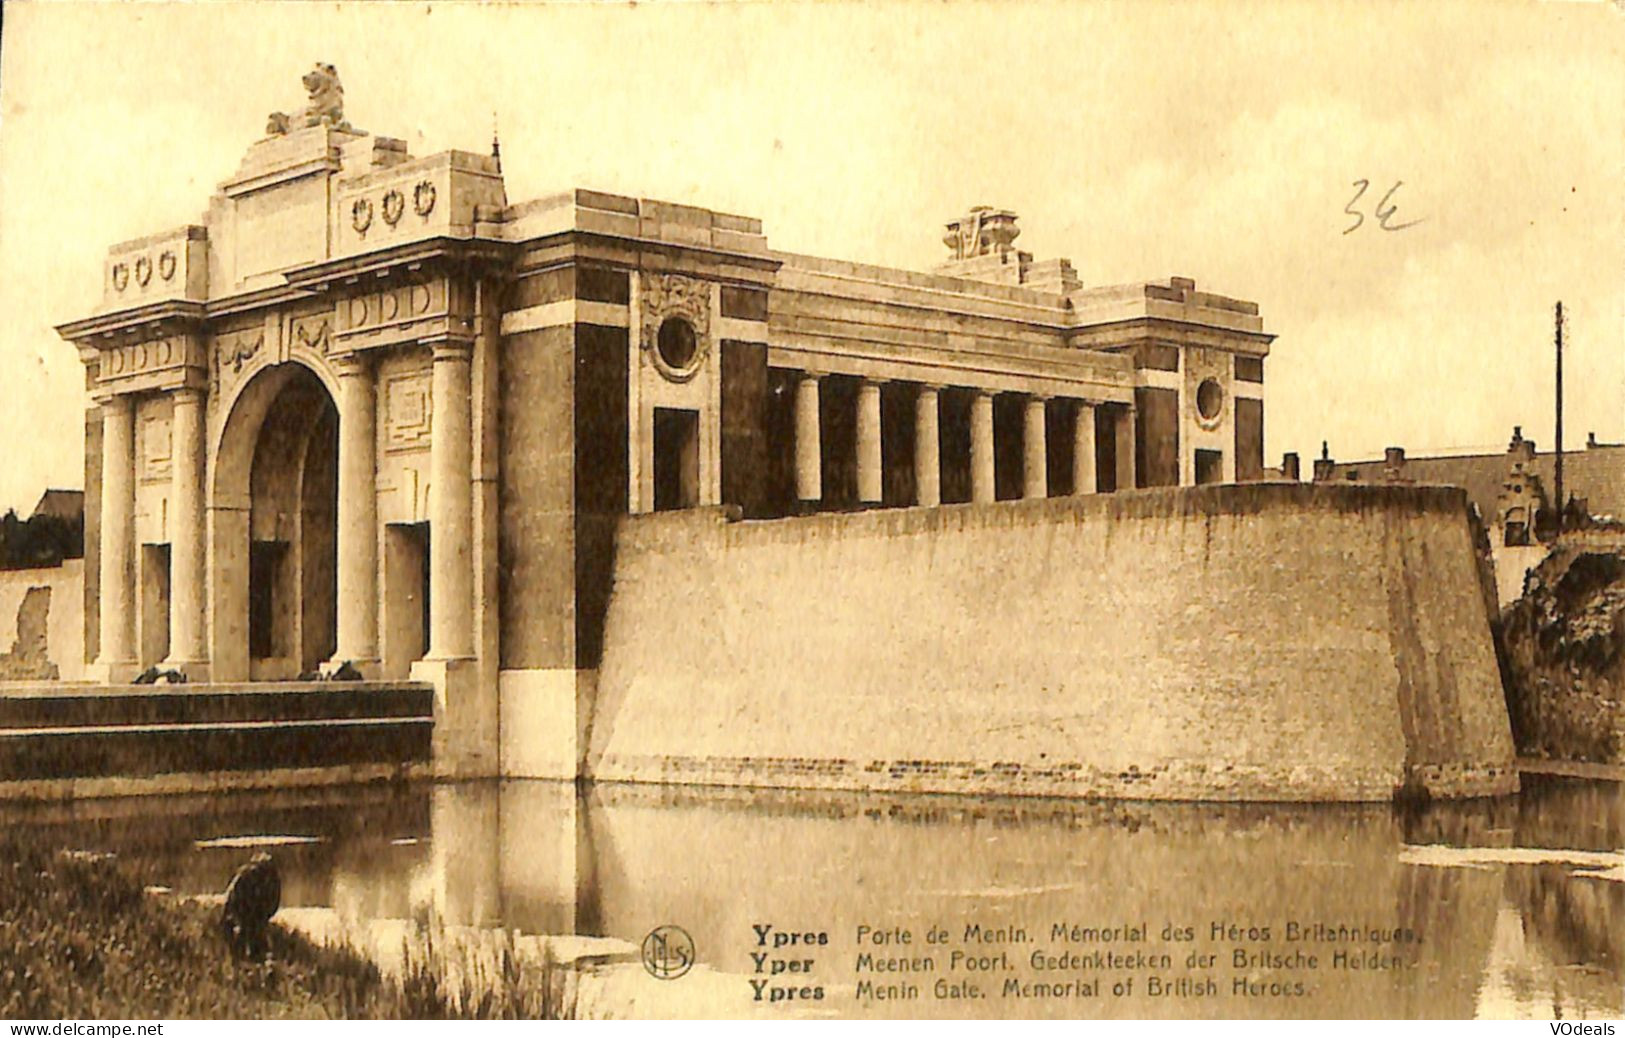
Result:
{"points": [[783, 510]]}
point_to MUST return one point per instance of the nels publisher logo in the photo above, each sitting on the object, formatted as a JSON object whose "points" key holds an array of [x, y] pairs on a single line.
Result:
{"points": [[668, 952]]}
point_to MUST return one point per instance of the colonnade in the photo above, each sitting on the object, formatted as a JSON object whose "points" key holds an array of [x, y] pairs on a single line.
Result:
{"points": [[927, 443], [451, 509], [451, 604]]}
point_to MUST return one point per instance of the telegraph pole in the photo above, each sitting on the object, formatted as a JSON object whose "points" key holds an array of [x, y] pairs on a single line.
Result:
{"points": [[1558, 480]]}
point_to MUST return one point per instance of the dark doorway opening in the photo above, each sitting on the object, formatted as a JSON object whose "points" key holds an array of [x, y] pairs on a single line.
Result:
{"points": [[677, 458], [264, 560], [953, 434], [781, 442], [406, 597], [155, 591], [1009, 446], [1209, 467], [1106, 419]]}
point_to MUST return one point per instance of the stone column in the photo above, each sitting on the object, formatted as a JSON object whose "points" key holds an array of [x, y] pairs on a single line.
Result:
{"points": [[1035, 467], [871, 481], [358, 508], [1123, 430], [117, 648], [1084, 480], [981, 446], [809, 467], [927, 447], [451, 526], [188, 643]]}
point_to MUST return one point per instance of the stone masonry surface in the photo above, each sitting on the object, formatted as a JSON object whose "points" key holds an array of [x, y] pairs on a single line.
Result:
{"points": [[1264, 642]]}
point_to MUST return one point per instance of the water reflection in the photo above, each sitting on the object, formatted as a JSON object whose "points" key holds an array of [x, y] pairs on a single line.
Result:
{"points": [[1494, 940]]}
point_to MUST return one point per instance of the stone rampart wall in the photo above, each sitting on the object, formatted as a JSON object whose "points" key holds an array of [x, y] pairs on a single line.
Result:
{"points": [[1272, 642]]}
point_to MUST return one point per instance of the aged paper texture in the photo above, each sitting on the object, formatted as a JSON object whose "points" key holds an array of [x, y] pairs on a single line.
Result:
{"points": [[781, 510]]}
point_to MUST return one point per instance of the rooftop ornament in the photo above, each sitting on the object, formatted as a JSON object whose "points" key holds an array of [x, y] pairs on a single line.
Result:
{"points": [[326, 107], [982, 231]]}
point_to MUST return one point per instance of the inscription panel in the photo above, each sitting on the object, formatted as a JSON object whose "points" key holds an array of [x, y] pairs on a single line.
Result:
{"points": [[409, 411], [156, 446]]}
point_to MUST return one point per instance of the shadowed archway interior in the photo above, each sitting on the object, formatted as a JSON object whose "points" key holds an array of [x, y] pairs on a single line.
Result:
{"points": [[276, 537]]}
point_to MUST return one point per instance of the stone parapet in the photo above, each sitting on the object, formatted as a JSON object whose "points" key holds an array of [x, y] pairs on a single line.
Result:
{"points": [[158, 268], [441, 195]]}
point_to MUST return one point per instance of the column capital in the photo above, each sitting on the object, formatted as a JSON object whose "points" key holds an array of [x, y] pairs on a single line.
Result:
{"points": [[114, 403], [809, 375], [875, 380], [1040, 397], [451, 348], [189, 395], [935, 387], [353, 365]]}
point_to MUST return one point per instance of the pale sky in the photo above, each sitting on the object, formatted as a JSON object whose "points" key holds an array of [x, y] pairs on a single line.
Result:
{"points": [[1219, 141]]}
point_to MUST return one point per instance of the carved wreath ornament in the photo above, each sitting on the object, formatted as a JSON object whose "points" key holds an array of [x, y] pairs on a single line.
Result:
{"points": [[394, 206], [361, 215], [671, 295], [166, 265], [121, 276], [423, 199], [143, 271]]}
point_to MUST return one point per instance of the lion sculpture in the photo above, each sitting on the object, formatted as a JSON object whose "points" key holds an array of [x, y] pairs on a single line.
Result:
{"points": [[326, 107]]}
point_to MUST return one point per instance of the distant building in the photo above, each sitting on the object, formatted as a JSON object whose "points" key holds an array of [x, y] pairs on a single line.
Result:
{"points": [[54, 532], [1593, 476], [62, 504], [1512, 491]]}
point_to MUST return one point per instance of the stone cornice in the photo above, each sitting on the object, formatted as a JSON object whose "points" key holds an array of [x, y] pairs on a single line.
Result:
{"points": [[1129, 331], [257, 299], [404, 258], [153, 319], [642, 247]]}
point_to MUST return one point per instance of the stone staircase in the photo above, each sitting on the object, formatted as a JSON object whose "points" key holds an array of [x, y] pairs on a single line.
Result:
{"points": [[106, 734]]}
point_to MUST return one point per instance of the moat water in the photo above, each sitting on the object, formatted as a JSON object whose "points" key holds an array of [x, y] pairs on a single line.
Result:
{"points": [[1512, 907]]}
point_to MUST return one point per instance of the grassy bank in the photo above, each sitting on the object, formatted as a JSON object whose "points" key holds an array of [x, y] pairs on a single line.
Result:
{"points": [[80, 938]]}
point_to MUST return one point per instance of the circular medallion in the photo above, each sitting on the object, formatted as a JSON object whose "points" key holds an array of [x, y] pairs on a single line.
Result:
{"points": [[394, 206], [361, 215], [1209, 400], [677, 351], [166, 265], [121, 276], [668, 952], [143, 270]]}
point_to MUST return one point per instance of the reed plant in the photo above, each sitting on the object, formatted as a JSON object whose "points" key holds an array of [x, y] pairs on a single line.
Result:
{"points": [[82, 936]]}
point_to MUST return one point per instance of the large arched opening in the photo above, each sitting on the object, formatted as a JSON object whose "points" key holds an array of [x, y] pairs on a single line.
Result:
{"points": [[274, 523]]}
